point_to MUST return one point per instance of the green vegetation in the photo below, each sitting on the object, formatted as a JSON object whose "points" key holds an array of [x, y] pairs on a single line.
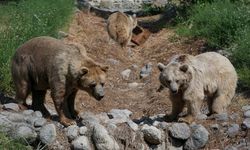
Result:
{"points": [[9, 144], [23, 20], [225, 24]]}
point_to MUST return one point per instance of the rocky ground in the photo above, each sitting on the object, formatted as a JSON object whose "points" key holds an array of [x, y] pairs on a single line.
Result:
{"points": [[130, 115]]}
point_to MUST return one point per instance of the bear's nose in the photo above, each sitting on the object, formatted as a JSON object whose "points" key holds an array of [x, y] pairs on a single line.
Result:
{"points": [[174, 91]]}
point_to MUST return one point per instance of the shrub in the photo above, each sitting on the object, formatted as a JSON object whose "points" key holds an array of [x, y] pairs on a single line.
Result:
{"points": [[218, 22], [224, 24], [24, 20]]}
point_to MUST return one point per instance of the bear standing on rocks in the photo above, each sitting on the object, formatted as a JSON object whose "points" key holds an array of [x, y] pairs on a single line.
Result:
{"points": [[120, 27], [46, 63], [191, 79]]}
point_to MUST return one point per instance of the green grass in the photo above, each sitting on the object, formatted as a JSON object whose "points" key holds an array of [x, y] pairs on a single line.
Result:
{"points": [[9, 144], [24, 20], [224, 24]]}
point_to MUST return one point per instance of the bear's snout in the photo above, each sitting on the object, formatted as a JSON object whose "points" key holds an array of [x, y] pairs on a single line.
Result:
{"points": [[98, 92]]}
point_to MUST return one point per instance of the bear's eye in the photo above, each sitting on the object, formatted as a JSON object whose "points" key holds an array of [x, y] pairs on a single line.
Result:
{"points": [[168, 81], [102, 84], [177, 81], [92, 85]]}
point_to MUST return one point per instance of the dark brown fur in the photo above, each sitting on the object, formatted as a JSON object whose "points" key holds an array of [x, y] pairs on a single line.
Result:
{"points": [[47, 63]]}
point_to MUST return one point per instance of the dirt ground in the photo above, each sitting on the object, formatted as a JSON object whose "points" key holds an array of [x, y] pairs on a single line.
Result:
{"points": [[90, 31]]}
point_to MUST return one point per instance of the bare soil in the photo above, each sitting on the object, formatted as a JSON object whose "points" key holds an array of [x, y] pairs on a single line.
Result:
{"points": [[90, 31]]}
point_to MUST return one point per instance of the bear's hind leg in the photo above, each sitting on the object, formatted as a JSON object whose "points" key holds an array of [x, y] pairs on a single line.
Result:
{"points": [[221, 103], [38, 97]]}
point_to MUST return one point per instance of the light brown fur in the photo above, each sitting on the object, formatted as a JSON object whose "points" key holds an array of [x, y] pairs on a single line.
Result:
{"points": [[46, 63], [120, 27], [191, 79]]}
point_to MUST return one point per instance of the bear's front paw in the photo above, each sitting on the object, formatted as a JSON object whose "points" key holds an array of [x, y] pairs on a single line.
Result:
{"points": [[188, 119], [67, 122]]}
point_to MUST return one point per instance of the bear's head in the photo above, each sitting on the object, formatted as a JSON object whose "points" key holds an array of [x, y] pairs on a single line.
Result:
{"points": [[175, 76], [92, 80]]}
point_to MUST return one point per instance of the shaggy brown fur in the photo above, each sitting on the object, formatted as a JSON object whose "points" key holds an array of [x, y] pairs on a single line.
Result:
{"points": [[46, 63], [120, 27]]}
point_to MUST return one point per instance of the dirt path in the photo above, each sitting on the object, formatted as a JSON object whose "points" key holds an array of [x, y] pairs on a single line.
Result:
{"points": [[143, 100]]}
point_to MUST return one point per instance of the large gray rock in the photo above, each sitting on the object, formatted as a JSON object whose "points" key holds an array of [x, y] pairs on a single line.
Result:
{"points": [[83, 130], [48, 134], [102, 140], [151, 134], [119, 115], [180, 131], [247, 114], [198, 139], [233, 130], [132, 125], [39, 122], [11, 106], [89, 119], [81, 143], [246, 123], [37, 114], [16, 117], [146, 70], [27, 112], [25, 133], [72, 132]]}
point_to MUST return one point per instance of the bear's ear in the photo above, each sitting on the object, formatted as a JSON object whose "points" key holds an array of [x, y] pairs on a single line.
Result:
{"points": [[161, 66], [184, 68], [104, 68], [83, 71]]}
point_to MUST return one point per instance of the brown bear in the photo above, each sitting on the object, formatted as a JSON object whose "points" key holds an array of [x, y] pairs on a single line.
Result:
{"points": [[120, 27], [191, 79], [46, 63]]}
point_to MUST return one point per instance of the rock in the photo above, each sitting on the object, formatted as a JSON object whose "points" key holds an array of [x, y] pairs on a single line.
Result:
{"points": [[202, 117], [113, 61], [133, 85], [180, 131], [215, 127], [233, 130], [26, 133], [146, 70], [81, 143], [89, 119], [230, 148], [163, 125], [27, 112], [245, 108], [39, 122], [125, 74], [198, 138], [170, 147], [102, 140], [31, 120], [119, 115], [37, 114], [72, 132], [48, 134], [151, 134], [132, 125], [246, 123], [15, 117], [11, 106], [102, 117], [221, 117], [247, 114], [83, 130], [62, 34]]}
